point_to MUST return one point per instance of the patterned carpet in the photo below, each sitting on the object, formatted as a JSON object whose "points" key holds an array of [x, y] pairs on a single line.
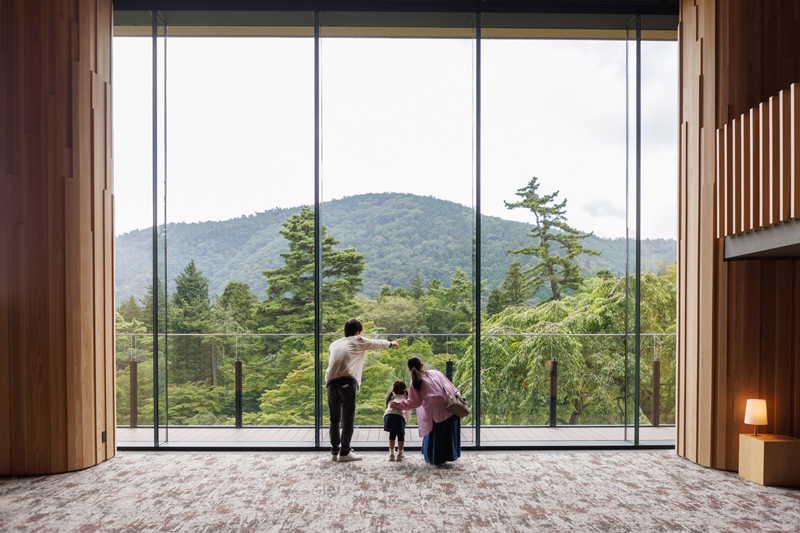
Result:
{"points": [[479, 493]]}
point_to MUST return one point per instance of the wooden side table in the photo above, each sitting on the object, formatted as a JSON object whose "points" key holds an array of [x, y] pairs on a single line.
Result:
{"points": [[770, 459]]}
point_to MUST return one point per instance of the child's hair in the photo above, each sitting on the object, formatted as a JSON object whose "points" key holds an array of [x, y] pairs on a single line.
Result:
{"points": [[399, 387]]}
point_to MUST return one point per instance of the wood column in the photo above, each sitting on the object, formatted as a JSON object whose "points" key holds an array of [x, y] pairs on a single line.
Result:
{"points": [[738, 322], [56, 236]]}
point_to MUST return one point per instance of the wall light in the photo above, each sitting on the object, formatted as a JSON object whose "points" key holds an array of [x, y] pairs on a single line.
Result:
{"points": [[756, 414]]}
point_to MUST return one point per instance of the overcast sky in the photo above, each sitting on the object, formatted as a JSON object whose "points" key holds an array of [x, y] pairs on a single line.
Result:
{"points": [[397, 116]]}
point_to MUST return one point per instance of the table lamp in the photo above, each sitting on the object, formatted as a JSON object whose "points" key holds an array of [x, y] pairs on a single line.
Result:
{"points": [[756, 414]]}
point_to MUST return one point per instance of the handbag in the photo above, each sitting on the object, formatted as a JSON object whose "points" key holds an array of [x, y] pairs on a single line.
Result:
{"points": [[455, 403]]}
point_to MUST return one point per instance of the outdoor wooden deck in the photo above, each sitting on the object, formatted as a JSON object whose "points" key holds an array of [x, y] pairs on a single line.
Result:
{"points": [[373, 436]]}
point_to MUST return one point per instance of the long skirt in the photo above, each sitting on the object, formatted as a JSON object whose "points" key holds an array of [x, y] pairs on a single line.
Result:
{"points": [[443, 443]]}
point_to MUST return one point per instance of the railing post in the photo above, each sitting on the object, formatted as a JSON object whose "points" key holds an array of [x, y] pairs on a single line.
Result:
{"points": [[134, 392], [238, 393], [449, 370], [553, 390], [656, 392]]}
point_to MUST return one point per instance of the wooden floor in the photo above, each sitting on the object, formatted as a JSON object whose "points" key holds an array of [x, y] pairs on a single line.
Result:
{"points": [[375, 435]]}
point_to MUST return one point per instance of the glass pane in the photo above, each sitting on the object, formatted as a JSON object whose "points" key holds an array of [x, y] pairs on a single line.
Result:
{"points": [[659, 239], [397, 174], [133, 222], [240, 223], [553, 240], [630, 415], [162, 272]]}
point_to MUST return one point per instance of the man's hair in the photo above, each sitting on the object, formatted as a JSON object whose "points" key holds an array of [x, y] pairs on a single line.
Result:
{"points": [[351, 327]]}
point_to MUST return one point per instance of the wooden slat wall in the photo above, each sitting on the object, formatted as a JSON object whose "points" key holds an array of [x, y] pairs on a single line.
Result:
{"points": [[744, 141], [738, 322], [56, 236]]}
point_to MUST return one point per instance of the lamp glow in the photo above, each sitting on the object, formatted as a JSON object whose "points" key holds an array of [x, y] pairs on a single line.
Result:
{"points": [[756, 414]]}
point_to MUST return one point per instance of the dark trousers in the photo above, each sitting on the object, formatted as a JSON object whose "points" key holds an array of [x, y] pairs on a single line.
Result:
{"points": [[342, 408]]}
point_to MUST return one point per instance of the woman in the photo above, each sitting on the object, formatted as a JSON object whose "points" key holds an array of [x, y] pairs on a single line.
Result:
{"points": [[439, 428]]}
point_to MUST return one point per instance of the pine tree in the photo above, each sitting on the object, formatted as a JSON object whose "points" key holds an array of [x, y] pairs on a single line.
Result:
{"points": [[193, 358], [129, 310], [496, 302], [148, 309], [240, 299], [515, 289], [289, 307], [385, 292], [557, 268], [190, 302], [417, 289]]}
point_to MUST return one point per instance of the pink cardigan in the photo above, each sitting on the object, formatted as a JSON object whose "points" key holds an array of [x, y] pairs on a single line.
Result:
{"points": [[429, 400]]}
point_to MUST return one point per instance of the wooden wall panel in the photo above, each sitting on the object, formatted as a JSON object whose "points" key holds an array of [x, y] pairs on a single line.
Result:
{"points": [[758, 157], [775, 159], [784, 353], [56, 233], [785, 151], [752, 181], [794, 128], [738, 322], [796, 344], [765, 217]]}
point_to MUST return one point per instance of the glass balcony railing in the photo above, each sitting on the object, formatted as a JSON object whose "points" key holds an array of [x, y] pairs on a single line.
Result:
{"points": [[246, 380]]}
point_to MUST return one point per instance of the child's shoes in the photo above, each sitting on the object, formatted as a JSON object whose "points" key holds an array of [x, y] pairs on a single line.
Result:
{"points": [[391, 456], [400, 456]]}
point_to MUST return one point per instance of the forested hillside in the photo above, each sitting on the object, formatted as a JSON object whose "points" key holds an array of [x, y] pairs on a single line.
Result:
{"points": [[399, 234]]}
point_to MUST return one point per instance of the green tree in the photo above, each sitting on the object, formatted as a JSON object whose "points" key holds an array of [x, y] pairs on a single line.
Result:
{"points": [[450, 310], [129, 310], [496, 302], [290, 303], [514, 287], [557, 268], [400, 292], [417, 289], [584, 333], [241, 301], [192, 358], [129, 348], [148, 308], [386, 291], [392, 314], [191, 287], [292, 402]]}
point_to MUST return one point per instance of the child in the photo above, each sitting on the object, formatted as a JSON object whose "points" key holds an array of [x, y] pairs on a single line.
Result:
{"points": [[395, 420]]}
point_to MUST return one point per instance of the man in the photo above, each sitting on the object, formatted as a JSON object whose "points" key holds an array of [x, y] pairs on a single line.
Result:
{"points": [[343, 379]]}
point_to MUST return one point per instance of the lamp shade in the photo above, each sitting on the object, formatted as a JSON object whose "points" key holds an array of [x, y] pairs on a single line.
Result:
{"points": [[756, 413]]}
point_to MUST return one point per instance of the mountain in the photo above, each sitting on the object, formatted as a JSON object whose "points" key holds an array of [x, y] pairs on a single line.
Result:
{"points": [[399, 234]]}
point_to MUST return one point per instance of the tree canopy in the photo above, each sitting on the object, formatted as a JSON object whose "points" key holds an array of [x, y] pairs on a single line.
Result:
{"points": [[289, 307], [557, 268]]}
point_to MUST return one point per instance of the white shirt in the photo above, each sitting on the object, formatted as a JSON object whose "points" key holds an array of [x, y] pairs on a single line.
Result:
{"points": [[394, 411], [346, 356]]}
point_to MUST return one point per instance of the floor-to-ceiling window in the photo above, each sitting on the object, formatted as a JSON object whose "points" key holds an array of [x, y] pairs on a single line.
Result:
{"points": [[240, 181], [553, 235], [659, 232], [397, 178], [133, 211], [419, 154]]}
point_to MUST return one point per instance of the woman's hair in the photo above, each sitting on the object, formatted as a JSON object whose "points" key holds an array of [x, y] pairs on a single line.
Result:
{"points": [[415, 366], [399, 387]]}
